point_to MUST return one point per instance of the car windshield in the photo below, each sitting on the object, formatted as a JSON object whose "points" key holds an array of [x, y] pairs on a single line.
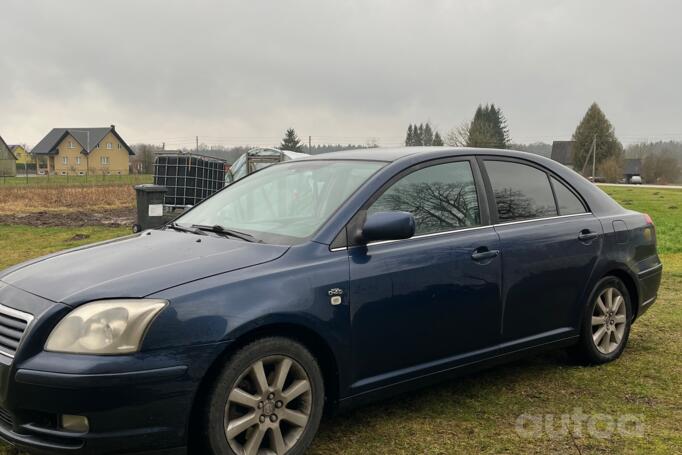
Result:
{"points": [[285, 203]]}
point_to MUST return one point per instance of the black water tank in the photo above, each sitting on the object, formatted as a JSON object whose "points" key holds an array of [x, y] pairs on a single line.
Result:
{"points": [[189, 178]]}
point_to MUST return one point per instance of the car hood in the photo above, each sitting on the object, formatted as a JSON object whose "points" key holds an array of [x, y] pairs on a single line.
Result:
{"points": [[135, 266]]}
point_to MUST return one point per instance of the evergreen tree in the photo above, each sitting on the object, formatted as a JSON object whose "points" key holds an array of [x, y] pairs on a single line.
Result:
{"points": [[500, 128], [409, 139], [427, 138], [594, 125], [291, 141], [488, 128], [437, 140], [419, 137]]}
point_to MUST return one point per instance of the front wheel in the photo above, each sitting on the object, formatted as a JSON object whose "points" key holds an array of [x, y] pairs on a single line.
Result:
{"points": [[606, 323], [267, 400]]}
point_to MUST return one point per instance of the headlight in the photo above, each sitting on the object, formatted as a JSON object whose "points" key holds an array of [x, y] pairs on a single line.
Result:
{"points": [[105, 327]]}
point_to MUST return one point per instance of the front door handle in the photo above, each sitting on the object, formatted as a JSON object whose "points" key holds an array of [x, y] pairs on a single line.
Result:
{"points": [[481, 254], [586, 235]]}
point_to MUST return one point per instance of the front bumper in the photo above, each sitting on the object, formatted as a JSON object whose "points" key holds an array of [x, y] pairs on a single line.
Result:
{"points": [[134, 403], [131, 408]]}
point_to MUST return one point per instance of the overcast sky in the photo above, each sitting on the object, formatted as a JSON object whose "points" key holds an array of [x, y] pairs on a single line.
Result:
{"points": [[345, 71]]}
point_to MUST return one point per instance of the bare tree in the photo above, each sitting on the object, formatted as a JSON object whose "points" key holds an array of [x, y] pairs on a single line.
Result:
{"points": [[611, 169], [144, 155], [459, 135], [660, 168]]}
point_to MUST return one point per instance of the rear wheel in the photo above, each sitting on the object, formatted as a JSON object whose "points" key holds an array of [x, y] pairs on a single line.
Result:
{"points": [[606, 324], [267, 400]]}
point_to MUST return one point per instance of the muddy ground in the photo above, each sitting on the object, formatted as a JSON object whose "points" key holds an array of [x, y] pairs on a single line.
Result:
{"points": [[110, 217]]}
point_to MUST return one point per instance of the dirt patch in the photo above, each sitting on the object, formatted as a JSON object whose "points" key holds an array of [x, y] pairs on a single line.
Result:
{"points": [[111, 217], [15, 200], [79, 237]]}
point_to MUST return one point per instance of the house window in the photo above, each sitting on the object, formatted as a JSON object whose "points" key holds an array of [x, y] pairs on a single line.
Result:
{"points": [[78, 160], [65, 160], [71, 146], [109, 146], [104, 160]]}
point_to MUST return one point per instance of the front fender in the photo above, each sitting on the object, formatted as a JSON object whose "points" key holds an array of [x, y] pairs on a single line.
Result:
{"points": [[291, 292]]}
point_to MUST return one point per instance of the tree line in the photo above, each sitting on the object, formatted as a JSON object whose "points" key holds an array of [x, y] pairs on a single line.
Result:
{"points": [[488, 128], [594, 141], [422, 135]]}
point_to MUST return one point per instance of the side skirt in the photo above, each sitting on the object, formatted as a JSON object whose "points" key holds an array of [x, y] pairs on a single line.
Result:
{"points": [[381, 393]]}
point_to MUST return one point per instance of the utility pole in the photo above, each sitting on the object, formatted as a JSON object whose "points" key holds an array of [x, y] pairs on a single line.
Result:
{"points": [[163, 146], [593, 153], [310, 145], [594, 158], [197, 145]]}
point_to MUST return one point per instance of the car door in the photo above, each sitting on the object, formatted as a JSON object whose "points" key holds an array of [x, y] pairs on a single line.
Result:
{"points": [[421, 304], [549, 243]]}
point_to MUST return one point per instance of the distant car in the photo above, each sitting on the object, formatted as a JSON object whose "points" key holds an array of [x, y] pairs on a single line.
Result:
{"points": [[597, 179], [636, 180], [321, 282], [256, 159]]}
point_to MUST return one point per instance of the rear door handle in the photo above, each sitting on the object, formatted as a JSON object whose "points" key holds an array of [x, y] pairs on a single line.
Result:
{"points": [[482, 255], [586, 235]]}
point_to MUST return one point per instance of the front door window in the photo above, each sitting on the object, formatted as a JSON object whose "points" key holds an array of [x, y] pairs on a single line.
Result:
{"points": [[441, 198]]}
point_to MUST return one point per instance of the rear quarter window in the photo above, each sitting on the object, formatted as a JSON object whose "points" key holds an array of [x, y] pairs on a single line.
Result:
{"points": [[568, 202]]}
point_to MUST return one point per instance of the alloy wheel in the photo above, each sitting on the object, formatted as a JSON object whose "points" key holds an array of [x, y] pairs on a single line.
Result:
{"points": [[609, 318], [269, 407]]}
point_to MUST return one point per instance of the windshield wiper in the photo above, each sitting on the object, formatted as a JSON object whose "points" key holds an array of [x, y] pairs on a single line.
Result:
{"points": [[181, 228], [218, 229]]}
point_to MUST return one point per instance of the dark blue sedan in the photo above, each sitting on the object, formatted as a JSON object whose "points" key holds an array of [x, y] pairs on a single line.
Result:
{"points": [[315, 284]]}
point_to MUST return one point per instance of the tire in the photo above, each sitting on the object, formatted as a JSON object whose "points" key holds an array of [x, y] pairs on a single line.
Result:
{"points": [[247, 405], [603, 339]]}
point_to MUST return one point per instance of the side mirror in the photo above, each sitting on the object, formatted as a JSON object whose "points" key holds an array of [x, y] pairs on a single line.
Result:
{"points": [[388, 226]]}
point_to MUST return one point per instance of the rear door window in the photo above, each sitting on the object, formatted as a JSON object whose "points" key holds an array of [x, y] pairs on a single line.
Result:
{"points": [[521, 192]]}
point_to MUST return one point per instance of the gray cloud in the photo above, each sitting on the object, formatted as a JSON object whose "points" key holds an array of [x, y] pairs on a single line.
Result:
{"points": [[241, 72]]}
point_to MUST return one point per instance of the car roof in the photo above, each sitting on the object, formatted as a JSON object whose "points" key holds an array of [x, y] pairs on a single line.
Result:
{"points": [[391, 154]]}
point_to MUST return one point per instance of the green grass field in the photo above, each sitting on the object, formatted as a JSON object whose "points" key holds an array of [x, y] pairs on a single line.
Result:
{"points": [[478, 413], [76, 180]]}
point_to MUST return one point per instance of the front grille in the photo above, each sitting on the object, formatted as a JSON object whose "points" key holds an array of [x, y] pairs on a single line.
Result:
{"points": [[13, 324], [6, 418]]}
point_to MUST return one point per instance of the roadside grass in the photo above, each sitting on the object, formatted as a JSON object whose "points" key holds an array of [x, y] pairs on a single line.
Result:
{"points": [[76, 180], [19, 243], [478, 413]]}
